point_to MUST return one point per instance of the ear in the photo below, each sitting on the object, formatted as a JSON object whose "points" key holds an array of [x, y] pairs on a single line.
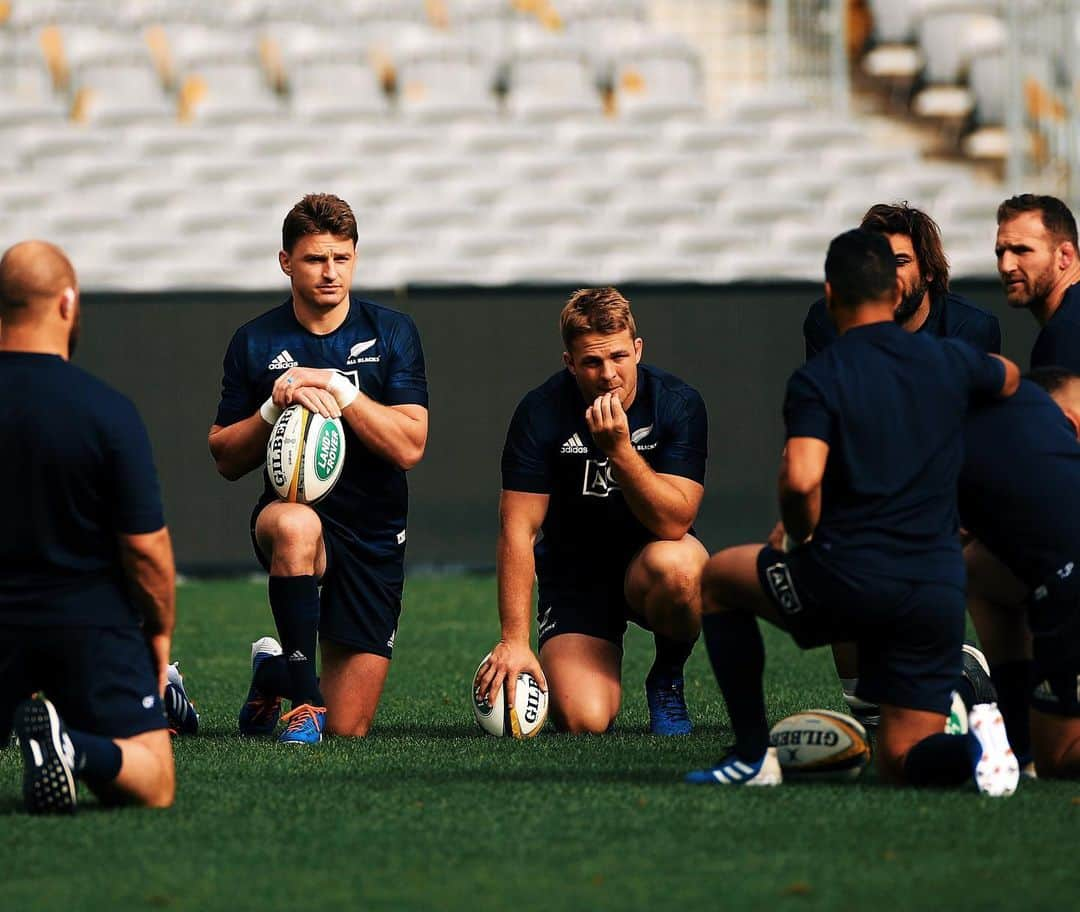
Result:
{"points": [[639, 346], [569, 362], [283, 261], [1066, 255], [67, 303], [1074, 420]]}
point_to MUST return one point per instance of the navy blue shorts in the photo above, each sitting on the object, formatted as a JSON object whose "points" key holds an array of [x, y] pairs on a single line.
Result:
{"points": [[101, 679], [910, 635], [590, 600], [360, 598], [1054, 618]]}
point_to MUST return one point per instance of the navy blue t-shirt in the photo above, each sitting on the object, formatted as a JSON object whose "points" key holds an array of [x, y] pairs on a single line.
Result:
{"points": [[891, 406], [1058, 342], [1020, 484], [549, 450], [378, 349], [80, 472], [950, 317]]}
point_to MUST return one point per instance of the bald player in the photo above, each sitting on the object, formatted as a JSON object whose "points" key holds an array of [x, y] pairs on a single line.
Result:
{"points": [[87, 582]]}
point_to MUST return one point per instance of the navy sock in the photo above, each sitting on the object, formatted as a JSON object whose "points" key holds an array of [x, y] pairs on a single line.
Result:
{"points": [[737, 655], [939, 760], [1013, 683], [272, 677], [671, 656], [96, 758], [294, 600]]}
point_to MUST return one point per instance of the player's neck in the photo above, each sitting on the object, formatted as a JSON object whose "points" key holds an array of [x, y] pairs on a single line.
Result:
{"points": [[866, 313], [1044, 311], [318, 320], [31, 341]]}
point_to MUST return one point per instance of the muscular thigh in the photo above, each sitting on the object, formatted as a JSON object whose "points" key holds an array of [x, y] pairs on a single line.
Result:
{"points": [[583, 675], [674, 565], [288, 539]]}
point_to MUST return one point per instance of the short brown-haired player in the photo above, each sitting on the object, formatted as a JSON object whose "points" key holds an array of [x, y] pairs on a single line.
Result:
{"points": [[602, 476], [345, 357]]}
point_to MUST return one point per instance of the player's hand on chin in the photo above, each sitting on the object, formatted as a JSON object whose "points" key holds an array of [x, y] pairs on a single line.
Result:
{"points": [[506, 662], [607, 422]]}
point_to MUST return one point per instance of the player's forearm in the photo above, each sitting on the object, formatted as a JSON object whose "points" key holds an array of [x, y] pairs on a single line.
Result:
{"points": [[396, 436], [516, 570], [659, 506], [241, 447], [150, 572], [800, 512]]}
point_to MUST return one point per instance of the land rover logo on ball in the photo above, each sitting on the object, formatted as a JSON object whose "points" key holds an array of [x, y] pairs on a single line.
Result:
{"points": [[328, 451]]}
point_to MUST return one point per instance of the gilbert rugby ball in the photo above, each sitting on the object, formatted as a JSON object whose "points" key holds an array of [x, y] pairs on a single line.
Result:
{"points": [[820, 744], [523, 720], [304, 455]]}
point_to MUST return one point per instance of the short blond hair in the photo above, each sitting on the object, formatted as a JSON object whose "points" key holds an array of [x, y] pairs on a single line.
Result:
{"points": [[595, 310]]}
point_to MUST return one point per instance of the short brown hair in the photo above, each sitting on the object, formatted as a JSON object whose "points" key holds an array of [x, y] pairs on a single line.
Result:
{"points": [[1055, 215], [900, 218], [595, 310], [318, 213]]}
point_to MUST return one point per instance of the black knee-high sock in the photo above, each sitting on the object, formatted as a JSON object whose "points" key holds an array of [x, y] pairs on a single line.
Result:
{"points": [[939, 760], [671, 656], [272, 677], [294, 600], [737, 655], [97, 758], [1013, 683]]}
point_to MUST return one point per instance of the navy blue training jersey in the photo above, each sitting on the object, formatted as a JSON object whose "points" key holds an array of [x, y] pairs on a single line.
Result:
{"points": [[950, 317], [549, 450], [1058, 342], [79, 471], [378, 349], [1020, 484], [891, 406]]}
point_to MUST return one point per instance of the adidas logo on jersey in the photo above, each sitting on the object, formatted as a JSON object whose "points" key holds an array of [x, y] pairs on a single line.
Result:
{"points": [[283, 361], [574, 446]]}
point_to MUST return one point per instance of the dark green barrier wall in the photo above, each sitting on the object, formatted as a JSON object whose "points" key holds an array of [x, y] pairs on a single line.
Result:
{"points": [[737, 344]]}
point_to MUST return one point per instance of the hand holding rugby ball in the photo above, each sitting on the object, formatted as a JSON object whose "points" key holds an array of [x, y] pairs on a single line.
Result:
{"points": [[304, 455], [522, 720]]}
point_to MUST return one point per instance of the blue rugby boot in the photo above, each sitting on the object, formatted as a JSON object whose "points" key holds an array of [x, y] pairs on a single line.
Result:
{"points": [[179, 710], [48, 758], [667, 707], [260, 713], [305, 725], [733, 770]]}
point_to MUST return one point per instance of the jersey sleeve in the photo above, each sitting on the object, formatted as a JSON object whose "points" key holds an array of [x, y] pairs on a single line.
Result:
{"points": [[684, 448], [407, 383], [135, 491], [526, 459], [806, 413], [238, 399], [981, 373], [1058, 345], [990, 336]]}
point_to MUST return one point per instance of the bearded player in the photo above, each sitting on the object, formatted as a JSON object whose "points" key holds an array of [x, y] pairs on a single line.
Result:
{"points": [[336, 568], [603, 473]]}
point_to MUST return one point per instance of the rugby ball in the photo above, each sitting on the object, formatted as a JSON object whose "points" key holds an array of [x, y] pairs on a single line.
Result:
{"points": [[820, 744], [523, 720], [304, 455]]}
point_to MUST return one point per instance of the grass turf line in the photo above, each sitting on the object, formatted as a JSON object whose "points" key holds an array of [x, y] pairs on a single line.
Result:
{"points": [[428, 814]]}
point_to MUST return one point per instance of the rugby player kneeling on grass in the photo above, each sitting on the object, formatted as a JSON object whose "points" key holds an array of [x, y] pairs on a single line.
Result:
{"points": [[87, 582], [1020, 497], [603, 473], [868, 496]]}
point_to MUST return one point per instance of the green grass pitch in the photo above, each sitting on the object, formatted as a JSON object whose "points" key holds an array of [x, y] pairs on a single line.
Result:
{"points": [[427, 813]]}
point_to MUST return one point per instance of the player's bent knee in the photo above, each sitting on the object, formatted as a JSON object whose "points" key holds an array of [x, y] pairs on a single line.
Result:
{"points": [[348, 729], [293, 524], [584, 718]]}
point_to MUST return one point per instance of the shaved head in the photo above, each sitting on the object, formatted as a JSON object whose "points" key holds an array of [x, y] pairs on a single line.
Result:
{"points": [[32, 273]]}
